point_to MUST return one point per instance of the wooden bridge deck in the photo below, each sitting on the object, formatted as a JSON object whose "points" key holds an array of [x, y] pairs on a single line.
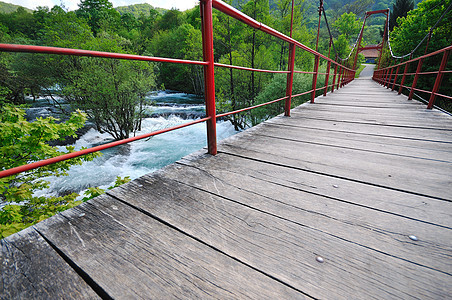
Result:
{"points": [[347, 180]]}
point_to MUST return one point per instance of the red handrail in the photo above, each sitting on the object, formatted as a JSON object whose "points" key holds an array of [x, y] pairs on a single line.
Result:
{"points": [[59, 158], [89, 53], [385, 78], [344, 76]]}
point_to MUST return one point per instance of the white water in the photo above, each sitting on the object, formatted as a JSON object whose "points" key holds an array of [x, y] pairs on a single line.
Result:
{"points": [[137, 158]]}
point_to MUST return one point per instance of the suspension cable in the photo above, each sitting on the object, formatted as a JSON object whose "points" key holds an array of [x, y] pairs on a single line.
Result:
{"points": [[425, 37], [331, 37]]}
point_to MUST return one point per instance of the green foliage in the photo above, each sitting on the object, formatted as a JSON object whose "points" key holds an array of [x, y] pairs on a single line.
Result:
{"points": [[348, 25], [183, 42], [399, 9], [417, 24], [7, 8], [358, 71], [110, 91], [93, 192], [276, 89], [23, 142], [137, 10], [411, 30], [100, 14], [15, 217]]}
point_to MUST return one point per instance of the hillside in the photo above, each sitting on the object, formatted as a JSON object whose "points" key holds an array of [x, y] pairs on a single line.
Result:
{"points": [[137, 9], [7, 8]]}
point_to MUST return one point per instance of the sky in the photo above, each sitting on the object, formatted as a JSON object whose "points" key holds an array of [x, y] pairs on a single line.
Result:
{"points": [[72, 4]]}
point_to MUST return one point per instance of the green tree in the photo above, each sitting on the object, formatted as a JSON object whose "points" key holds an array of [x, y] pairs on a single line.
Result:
{"points": [[411, 30], [23, 142], [100, 14], [183, 42], [348, 25], [172, 19], [110, 91], [417, 24], [399, 9]]}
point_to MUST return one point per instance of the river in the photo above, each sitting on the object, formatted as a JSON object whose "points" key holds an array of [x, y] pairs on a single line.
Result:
{"points": [[140, 157]]}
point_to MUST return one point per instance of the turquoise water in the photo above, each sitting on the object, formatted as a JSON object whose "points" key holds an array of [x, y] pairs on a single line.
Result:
{"points": [[144, 156]]}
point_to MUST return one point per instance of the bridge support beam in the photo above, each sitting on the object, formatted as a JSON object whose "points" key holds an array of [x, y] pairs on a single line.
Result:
{"points": [[209, 73]]}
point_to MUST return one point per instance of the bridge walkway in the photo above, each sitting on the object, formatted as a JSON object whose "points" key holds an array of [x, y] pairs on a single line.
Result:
{"points": [[349, 198]]}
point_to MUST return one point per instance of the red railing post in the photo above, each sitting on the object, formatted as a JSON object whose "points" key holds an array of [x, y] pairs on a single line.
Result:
{"points": [[290, 67], [389, 79], [386, 77], [438, 80], [209, 73], [407, 64], [314, 77], [317, 58], [339, 78], [327, 76], [334, 77], [355, 60], [416, 76], [343, 77], [395, 77]]}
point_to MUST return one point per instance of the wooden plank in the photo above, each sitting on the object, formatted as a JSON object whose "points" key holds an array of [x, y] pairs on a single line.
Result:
{"points": [[236, 179], [350, 102], [31, 269], [132, 255], [431, 122], [399, 147], [367, 129], [430, 178], [405, 113], [427, 210], [281, 248]]}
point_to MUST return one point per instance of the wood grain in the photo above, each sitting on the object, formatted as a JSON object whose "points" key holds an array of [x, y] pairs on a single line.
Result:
{"points": [[31, 269], [281, 248], [374, 229], [348, 179], [132, 255], [416, 176]]}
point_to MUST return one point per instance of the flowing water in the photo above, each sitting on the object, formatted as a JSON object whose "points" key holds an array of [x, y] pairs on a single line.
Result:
{"points": [[143, 156]]}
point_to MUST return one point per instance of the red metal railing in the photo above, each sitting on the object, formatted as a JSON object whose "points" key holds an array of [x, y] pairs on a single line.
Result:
{"points": [[342, 73], [393, 76]]}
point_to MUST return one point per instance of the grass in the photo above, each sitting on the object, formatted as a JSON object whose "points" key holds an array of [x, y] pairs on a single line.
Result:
{"points": [[361, 67]]}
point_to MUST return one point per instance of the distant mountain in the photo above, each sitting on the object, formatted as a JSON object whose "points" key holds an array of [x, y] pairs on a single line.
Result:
{"points": [[137, 9], [7, 8]]}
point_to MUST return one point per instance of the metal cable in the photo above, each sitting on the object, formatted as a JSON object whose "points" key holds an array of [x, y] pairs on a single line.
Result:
{"points": [[331, 37], [425, 37]]}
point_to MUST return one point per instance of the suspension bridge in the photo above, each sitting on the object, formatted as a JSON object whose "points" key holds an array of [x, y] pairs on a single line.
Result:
{"points": [[348, 198]]}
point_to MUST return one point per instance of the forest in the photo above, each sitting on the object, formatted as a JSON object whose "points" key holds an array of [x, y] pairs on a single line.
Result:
{"points": [[111, 93]]}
